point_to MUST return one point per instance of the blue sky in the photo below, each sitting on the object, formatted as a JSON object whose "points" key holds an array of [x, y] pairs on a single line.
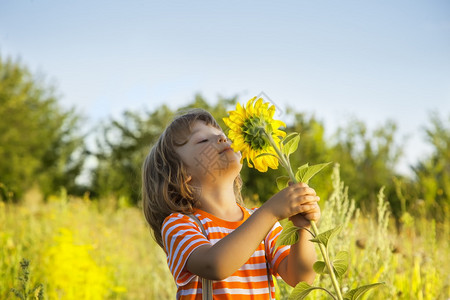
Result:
{"points": [[373, 60]]}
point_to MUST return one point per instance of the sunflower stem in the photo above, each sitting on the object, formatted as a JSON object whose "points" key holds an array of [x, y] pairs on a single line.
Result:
{"points": [[284, 161], [281, 158], [328, 263]]}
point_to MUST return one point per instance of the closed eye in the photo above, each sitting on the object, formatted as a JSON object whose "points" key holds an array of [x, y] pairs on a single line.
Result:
{"points": [[203, 141]]}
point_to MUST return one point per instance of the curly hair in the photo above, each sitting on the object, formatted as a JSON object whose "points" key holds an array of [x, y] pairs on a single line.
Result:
{"points": [[165, 187]]}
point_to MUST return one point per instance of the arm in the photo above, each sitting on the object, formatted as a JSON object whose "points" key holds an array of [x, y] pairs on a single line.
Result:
{"points": [[222, 259], [298, 265]]}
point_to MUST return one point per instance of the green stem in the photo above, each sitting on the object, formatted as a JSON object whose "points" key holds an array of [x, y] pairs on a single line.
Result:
{"points": [[327, 291], [284, 161], [281, 158], [324, 252]]}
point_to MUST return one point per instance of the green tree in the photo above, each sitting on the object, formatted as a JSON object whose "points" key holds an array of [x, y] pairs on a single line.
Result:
{"points": [[314, 149], [39, 144], [368, 161], [433, 172], [122, 146], [218, 110]]}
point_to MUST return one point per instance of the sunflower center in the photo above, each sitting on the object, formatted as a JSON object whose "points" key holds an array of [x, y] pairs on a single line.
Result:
{"points": [[254, 132]]}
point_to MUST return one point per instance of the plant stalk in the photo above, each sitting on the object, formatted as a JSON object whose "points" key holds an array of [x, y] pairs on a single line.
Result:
{"points": [[284, 161], [324, 252]]}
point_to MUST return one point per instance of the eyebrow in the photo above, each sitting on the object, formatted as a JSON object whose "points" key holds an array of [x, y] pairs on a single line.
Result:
{"points": [[193, 133]]}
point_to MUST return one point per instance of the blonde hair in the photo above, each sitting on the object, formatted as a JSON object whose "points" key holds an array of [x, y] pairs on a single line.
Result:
{"points": [[165, 187]]}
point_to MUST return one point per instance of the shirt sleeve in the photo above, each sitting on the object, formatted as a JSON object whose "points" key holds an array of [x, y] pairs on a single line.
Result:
{"points": [[181, 236], [275, 255]]}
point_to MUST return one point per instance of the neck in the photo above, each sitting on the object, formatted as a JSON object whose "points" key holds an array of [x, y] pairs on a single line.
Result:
{"points": [[218, 199]]}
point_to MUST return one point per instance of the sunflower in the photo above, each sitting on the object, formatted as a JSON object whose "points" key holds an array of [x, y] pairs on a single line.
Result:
{"points": [[253, 130]]}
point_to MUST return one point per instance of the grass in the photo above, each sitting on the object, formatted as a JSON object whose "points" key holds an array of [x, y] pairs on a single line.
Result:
{"points": [[80, 249], [414, 264]]}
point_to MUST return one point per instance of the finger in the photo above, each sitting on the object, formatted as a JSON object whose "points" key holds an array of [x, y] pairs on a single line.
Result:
{"points": [[302, 184], [303, 208], [314, 216], [304, 190], [308, 199], [313, 202], [313, 205], [309, 208]]}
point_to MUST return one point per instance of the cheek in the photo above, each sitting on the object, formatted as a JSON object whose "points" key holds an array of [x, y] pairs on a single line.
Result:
{"points": [[238, 155]]}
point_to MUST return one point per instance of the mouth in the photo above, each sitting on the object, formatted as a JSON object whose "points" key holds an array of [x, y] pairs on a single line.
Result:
{"points": [[225, 150]]}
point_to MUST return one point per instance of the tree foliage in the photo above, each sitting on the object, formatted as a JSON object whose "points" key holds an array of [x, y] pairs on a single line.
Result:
{"points": [[39, 144], [433, 172], [122, 148], [368, 161]]}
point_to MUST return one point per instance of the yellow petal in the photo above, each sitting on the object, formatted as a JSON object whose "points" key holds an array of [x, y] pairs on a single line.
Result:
{"points": [[239, 143], [261, 167], [271, 111]]}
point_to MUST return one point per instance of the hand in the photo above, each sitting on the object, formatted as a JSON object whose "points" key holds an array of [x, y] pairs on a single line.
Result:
{"points": [[298, 201], [310, 212], [303, 219]]}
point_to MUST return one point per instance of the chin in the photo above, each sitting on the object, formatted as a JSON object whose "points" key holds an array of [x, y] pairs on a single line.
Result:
{"points": [[232, 169], [236, 163]]}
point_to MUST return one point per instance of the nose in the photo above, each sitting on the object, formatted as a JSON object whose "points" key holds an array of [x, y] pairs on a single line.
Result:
{"points": [[222, 139]]}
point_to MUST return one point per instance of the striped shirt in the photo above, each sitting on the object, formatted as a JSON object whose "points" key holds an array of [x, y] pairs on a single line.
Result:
{"points": [[181, 236]]}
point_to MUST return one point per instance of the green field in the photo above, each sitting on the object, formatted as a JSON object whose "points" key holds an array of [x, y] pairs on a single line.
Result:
{"points": [[81, 249]]}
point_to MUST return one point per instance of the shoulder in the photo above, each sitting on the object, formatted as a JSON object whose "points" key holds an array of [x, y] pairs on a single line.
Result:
{"points": [[176, 219], [178, 223]]}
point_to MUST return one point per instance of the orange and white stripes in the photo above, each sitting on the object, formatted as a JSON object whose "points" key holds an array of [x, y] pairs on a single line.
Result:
{"points": [[181, 236]]}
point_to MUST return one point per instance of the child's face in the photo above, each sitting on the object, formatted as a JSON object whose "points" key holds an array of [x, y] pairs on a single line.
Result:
{"points": [[208, 156]]}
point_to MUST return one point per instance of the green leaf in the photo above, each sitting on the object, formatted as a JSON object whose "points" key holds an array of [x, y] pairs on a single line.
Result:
{"points": [[340, 263], [289, 136], [325, 237], [359, 291], [320, 267], [282, 182], [309, 173], [301, 171], [302, 290], [291, 146], [288, 236]]}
